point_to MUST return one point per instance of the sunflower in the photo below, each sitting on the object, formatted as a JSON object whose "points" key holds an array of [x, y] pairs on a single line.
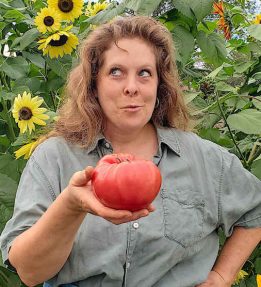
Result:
{"points": [[257, 19], [68, 9], [27, 113], [240, 276], [258, 280], [47, 20], [26, 150], [59, 43], [224, 22], [94, 9]]}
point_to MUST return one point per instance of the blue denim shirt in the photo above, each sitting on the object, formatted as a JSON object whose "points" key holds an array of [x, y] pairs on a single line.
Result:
{"points": [[204, 187]]}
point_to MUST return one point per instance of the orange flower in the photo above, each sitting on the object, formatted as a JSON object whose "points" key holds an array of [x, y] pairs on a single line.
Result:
{"points": [[224, 23]]}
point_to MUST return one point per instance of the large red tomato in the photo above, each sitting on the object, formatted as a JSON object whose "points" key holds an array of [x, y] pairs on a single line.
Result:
{"points": [[121, 181]]}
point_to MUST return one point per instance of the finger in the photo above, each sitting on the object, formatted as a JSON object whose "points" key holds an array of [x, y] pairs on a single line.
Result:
{"points": [[151, 208], [89, 172], [80, 178]]}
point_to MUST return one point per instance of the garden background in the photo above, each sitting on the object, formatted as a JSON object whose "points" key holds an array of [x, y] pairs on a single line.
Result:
{"points": [[218, 50]]}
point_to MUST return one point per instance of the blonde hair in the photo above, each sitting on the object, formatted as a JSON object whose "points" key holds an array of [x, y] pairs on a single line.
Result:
{"points": [[81, 118]]}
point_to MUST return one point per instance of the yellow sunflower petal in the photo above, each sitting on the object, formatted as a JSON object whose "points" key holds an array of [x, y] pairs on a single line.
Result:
{"points": [[38, 121]]}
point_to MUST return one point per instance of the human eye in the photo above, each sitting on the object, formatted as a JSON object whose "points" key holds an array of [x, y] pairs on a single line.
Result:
{"points": [[116, 72], [145, 73]]}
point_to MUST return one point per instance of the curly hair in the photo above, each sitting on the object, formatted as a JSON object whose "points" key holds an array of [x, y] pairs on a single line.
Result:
{"points": [[80, 117]]}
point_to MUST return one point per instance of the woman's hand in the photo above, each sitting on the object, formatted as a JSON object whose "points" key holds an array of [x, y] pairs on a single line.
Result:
{"points": [[214, 280], [81, 198]]}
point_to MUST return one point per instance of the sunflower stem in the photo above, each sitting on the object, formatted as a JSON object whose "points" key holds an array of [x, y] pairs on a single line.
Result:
{"points": [[8, 120], [230, 132]]}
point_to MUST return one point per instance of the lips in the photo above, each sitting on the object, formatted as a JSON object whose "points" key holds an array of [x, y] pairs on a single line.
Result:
{"points": [[131, 106]]}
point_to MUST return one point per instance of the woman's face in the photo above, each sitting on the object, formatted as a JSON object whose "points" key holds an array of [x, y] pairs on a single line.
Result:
{"points": [[127, 85]]}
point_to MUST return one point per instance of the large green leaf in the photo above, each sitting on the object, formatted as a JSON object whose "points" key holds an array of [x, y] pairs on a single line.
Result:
{"points": [[9, 167], [14, 15], [184, 42], [60, 66], [109, 13], [8, 189], [247, 121], [15, 68], [36, 59], [28, 37], [255, 31], [213, 47], [199, 8], [143, 7]]}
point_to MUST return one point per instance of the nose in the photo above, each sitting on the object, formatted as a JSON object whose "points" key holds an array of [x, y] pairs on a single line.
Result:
{"points": [[131, 87]]}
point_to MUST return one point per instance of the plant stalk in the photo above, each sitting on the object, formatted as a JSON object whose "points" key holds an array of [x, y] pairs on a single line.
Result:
{"points": [[230, 132]]}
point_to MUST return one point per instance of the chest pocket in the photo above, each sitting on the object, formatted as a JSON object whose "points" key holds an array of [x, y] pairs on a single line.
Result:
{"points": [[183, 215]]}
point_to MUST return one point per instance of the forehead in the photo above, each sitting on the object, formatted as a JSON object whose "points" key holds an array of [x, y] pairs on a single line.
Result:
{"points": [[130, 50]]}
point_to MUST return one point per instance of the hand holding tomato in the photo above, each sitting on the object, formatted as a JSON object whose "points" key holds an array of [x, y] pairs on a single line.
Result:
{"points": [[121, 181], [81, 198]]}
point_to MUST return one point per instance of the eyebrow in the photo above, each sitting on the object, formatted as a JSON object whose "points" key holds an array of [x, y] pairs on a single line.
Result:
{"points": [[111, 65]]}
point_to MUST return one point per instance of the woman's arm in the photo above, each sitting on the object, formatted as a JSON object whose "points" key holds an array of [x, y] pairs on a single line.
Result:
{"points": [[234, 254], [41, 251]]}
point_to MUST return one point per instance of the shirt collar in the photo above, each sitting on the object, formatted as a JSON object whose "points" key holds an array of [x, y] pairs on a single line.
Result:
{"points": [[167, 136]]}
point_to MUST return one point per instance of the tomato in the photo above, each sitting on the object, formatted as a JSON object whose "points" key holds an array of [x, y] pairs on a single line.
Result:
{"points": [[121, 181]]}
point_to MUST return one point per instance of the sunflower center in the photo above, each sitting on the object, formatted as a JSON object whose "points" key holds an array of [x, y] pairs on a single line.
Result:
{"points": [[48, 20], [65, 5], [56, 43], [25, 114]]}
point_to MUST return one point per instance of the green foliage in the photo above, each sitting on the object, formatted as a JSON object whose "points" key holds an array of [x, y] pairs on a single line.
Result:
{"points": [[221, 79]]}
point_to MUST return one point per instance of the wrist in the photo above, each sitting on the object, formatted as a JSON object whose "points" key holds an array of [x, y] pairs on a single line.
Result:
{"points": [[71, 203], [224, 277]]}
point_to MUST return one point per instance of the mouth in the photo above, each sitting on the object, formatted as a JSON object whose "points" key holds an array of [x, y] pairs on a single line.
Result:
{"points": [[132, 106]]}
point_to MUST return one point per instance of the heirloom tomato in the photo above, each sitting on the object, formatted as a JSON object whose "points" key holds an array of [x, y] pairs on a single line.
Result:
{"points": [[121, 181]]}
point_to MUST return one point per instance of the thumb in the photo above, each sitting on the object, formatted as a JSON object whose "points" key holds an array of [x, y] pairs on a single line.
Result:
{"points": [[81, 178]]}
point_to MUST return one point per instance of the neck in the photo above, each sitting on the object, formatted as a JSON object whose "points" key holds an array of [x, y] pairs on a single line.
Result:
{"points": [[138, 142]]}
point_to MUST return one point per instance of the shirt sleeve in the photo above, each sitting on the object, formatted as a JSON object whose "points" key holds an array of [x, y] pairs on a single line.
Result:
{"points": [[34, 195], [239, 196]]}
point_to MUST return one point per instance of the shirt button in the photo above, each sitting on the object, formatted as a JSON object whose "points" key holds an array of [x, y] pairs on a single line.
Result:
{"points": [[107, 145], [135, 225], [128, 265]]}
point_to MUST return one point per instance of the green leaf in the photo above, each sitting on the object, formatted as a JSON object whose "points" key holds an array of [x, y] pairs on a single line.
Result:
{"points": [[14, 15], [59, 66], [143, 7], [184, 6], [184, 42], [242, 67], [28, 37], [9, 167], [190, 96], [15, 68], [224, 87], [8, 189], [109, 13], [247, 121], [36, 59], [9, 278], [258, 260], [214, 73], [199, 8], [255, 31], [213, 47], [257, 102]]}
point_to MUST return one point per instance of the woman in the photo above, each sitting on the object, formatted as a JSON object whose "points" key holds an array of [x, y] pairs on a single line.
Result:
{"points": [[124, 96]]}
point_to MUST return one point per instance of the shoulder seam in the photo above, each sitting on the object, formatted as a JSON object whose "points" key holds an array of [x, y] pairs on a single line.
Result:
{"points": [[44, 177]]}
